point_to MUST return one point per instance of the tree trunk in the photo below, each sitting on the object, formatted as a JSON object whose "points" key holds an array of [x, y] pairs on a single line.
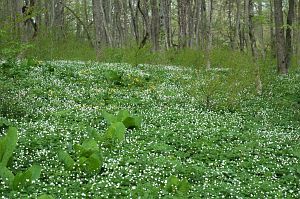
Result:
{"points": [[261, 31], [246, 23], [298, 36], [290, 19], [182, 23], [280, 39], [238, 32], [97, 15], [155, 25], [254, 47], [272, 34], [166, 6], [58, 21], [209, 33], [203, 27]]}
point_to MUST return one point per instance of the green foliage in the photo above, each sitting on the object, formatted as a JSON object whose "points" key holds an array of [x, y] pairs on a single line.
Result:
{"points": [[88, 155], [124, 117], [115, 132], [66, 159], [45, 196], [175, 185], [8, 144], [6, 175], [23, 179], [113, 77]]}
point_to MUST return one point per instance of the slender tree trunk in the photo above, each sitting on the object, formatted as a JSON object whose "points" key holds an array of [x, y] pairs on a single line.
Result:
{"points": [[203, 27], [209, 33], [280, 39], [134, 20], [272, 32], [238, 32], [58, 21], [155, 25], [298, 36], [254, 47], [182, 20], [261, 31], [230, 24], [246, 23], [166, 6], [289, 32], [98, 17]]}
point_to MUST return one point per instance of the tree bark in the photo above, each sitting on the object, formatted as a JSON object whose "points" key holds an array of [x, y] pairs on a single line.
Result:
{"points": [[254, 47], [280, 39], [298, 35], [289, 30], [261, 31], [155, 25], [209, 33]]}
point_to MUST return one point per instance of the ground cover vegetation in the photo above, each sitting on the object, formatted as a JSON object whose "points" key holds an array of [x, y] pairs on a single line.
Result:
{"points": [[100, 130], [149, 99]]}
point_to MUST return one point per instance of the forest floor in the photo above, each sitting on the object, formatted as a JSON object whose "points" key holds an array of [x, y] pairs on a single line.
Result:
{"points": [[198, 139]]}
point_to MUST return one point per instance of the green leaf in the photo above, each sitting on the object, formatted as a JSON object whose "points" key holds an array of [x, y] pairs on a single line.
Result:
{"points": [[132, 122], [184, 186], [109, 118], [66, 159], [8, 145], [94, 162], [116, 132], [23, 179], [172, 184], [87, 148], [122, 115], [45, 196], [95, 135], [6, 175]]}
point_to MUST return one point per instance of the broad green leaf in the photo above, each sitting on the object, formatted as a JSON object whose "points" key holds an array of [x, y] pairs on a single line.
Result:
{"points": [[184, 186], [88, 147], [23, 179], [6, 175], [94, 162], [116, 132], [66, 159], [122, 115], [45, 196], [172, 184], [8, 145], [109, 117], [94, 134], [132, 122]]}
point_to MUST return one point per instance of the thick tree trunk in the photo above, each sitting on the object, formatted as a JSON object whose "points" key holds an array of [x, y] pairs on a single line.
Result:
{"points": [[280, 39]]}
